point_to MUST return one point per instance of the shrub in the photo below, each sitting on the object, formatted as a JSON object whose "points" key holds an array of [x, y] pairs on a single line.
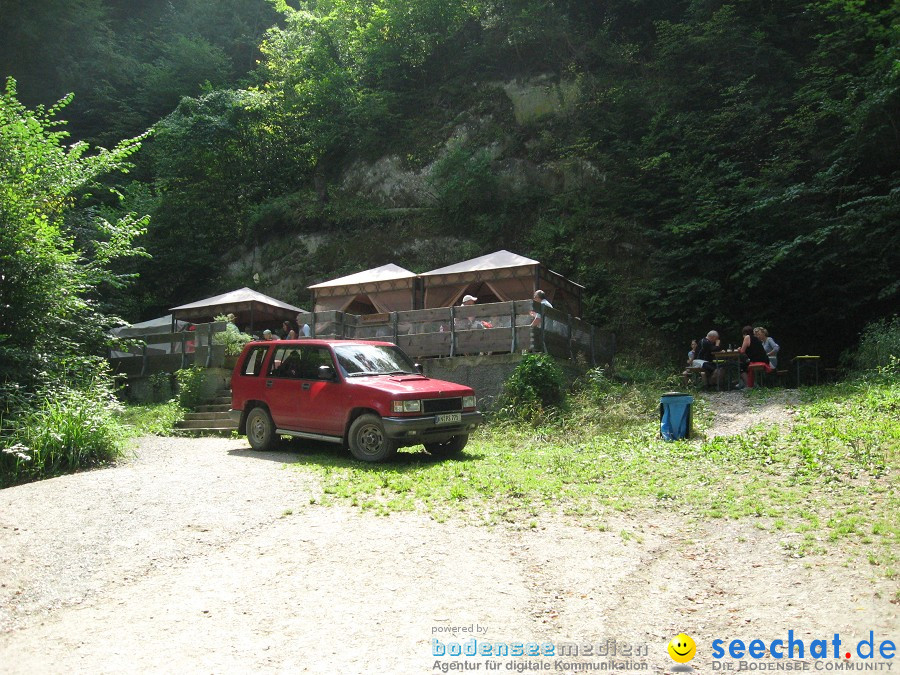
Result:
{"points": [[879, 347], [536, 383], [190, 386], [233, 339], [64, 430]]}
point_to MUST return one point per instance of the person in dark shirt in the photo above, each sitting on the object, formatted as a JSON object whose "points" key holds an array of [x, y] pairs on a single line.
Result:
{"points": [[703, 356], [756, 355]]}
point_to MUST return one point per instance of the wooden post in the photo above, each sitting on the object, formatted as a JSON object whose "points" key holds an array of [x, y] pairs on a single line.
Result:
{"points": [[512, 320], [569, 323], [543, 329], [312, 326], [593, 352], [209, 335], [453, 331], [394, 325], [343, 327], [183, 355], [144, 360]]}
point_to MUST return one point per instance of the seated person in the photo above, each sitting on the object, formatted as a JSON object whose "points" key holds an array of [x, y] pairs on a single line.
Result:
{"points": [[703, 357], [768, 344], [690, 363], [752, 348]]}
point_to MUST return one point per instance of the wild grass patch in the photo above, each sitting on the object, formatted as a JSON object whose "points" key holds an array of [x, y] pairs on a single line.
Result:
{"points": [[831, 477], [65, 429]]}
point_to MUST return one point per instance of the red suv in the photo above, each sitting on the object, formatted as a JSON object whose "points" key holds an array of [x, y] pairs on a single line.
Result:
{"points": [[367, 395]]}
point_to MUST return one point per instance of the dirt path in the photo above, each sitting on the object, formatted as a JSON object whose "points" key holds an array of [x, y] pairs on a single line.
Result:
{"points": [[203, 556], [734, 413]]}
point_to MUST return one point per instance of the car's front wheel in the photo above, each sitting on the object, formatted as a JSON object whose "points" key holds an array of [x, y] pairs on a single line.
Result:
{"points": [[260, 429], [448, 448], [367, 440]]}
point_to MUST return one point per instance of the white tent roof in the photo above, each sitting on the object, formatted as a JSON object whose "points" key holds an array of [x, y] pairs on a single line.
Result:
{"points": [[492, 261], [387, 272], [241, 295], [162, 324]]}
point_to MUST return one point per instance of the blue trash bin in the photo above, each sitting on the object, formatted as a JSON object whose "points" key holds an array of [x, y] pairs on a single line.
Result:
{"points": [[675, 415]]}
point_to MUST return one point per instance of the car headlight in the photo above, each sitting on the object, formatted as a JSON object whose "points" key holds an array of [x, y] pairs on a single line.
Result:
{"points": [[468, 401], [406, 406]]}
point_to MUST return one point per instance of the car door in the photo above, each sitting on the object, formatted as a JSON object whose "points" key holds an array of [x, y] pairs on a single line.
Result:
{"points": [[322, 402], [283, 386]]}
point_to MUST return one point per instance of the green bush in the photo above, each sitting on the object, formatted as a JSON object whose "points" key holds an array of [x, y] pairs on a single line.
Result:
{"points": [[190, 386], [879, 348], [64, 430], [537, 383], [233, 339]]}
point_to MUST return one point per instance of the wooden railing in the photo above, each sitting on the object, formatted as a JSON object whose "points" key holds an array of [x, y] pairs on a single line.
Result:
{"points": [[455, 331], [168, 352], [495, 328]]}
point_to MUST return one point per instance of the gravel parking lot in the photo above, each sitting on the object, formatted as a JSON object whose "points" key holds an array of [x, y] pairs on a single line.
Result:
{"points": [[200, 555]]}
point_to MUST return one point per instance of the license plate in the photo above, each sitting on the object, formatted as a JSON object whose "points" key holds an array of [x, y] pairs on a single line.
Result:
{"points": [[449, 418]]}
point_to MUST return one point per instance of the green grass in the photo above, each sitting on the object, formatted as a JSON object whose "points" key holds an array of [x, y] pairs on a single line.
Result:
{"points": [[832, 477], [66, 429], [153, 419]]}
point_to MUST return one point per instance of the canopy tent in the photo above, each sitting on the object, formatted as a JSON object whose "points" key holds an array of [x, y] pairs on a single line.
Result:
{"points": [[500, 276], [162, 324], [252, 309], [159, 327], [388, 288]]}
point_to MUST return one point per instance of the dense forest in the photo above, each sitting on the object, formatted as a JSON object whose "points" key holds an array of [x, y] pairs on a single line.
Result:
{"points": [[695, 164]]}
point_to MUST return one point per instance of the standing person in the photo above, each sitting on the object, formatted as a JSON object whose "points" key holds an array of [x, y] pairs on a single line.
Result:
{"points": [[752, 348], [304, 327], [541, 298], [768, 344], [467, 321]]}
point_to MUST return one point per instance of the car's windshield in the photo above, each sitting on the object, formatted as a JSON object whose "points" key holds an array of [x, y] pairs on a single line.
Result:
{"points": [[359, 360]]}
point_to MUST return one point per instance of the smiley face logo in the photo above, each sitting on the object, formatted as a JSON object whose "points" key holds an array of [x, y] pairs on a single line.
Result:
{"points": [[682, 648]]}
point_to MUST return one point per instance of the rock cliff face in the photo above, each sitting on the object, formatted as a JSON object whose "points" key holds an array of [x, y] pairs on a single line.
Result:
{"points": [[400, 214]]}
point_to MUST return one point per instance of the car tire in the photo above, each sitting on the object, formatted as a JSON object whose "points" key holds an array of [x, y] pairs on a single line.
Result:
{"points": [[368, 441], [260, 429], [448, 448]]}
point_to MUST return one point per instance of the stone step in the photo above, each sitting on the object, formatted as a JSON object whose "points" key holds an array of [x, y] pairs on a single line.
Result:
{"points": [[217, 407], [214, 415], [219, 400], [204, 424], [205, 431]]}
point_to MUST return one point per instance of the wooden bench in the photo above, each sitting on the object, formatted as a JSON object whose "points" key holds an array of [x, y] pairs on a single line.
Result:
{"points": [[694, 373], [806, 362]]}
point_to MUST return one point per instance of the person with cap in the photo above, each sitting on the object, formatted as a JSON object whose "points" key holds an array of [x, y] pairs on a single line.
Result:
{"points": [[267, 335], [469, 321]]}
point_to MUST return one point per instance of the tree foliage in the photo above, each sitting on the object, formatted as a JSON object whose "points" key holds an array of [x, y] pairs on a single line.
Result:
{"points": [[55, 258], [721, 162]]}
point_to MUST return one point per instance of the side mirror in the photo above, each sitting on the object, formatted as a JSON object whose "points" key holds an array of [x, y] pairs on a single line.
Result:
{"points": [[326, 373], [420, 369]]}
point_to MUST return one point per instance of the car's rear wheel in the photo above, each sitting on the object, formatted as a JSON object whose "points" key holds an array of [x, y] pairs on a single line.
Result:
{"points": [[448, 448], [260, 429], [367, 440]]}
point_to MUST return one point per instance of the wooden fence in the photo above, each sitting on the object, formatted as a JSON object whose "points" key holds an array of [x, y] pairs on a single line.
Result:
{"points": [[456, 331], [495, 328], [168, 352]]}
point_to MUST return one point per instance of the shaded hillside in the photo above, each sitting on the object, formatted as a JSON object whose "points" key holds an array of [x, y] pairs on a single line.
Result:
{"points": [[694, 164]]}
